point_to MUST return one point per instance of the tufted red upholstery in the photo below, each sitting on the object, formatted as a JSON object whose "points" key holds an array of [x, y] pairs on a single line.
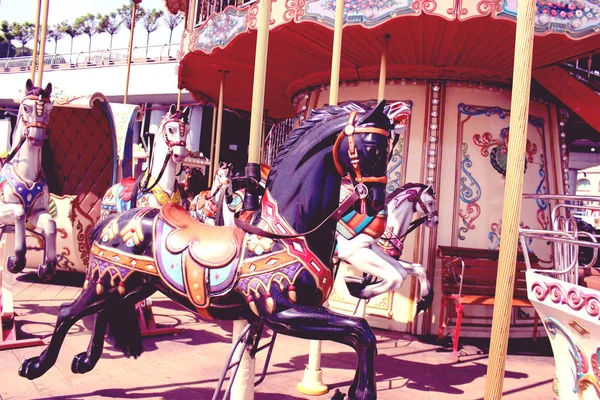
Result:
{"points": [[78, 155]]}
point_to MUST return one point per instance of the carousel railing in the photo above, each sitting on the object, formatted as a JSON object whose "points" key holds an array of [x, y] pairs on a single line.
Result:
{"points": [[277, 135], [205, 8], [95, 58]]}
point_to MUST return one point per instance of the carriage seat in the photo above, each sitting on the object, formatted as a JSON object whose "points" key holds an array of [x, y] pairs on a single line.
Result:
{"points": [[209, 246], [590, 278]]}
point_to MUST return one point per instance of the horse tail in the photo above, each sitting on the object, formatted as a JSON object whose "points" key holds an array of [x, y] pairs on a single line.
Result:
{"points": [[123, 329]]}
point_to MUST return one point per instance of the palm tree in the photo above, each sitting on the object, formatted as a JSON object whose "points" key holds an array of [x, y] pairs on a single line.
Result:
{"points": [[22, 33], [110, 25], [69, 30], [151, 24], [172, 21], [88, 25], [56, 33], [125, 13], [7, 35]]}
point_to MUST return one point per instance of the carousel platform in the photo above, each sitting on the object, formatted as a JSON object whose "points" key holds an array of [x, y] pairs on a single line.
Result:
{"points": [[188, 365]]}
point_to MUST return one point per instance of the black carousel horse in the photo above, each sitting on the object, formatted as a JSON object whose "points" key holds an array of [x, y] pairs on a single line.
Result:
{"points": [[277, 270]]}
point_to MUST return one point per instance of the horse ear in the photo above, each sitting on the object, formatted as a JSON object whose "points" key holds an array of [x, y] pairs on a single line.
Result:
{"points": [[222, 164], [376, 116], [173, 109], [29, 85], [48, 89], [230, 166], [186, 112]]}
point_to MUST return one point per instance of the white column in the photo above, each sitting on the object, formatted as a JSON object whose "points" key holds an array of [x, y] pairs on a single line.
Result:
{"points": [[243, 385], [193, 140]]}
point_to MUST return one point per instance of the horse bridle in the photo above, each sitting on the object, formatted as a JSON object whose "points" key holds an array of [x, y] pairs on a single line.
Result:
{"points": [[39, 106], [360, 190]]}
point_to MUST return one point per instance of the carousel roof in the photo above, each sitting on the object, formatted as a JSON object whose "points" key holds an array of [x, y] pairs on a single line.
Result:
{"points": [[467, 40]]}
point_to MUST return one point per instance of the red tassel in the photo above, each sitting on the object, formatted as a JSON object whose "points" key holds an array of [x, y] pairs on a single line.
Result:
{"points": [[363, 206]]}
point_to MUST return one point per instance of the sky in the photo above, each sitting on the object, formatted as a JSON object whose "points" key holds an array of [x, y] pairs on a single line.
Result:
{"points": [[60, 10]]}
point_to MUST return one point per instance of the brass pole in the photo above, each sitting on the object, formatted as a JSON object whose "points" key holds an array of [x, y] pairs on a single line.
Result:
{"points": [[219, 122], [179, 100], [383, 68], [36, 38], [337, 53], [512, 199], [258, 86], [45, 6], [133, 13], [212, 147]]}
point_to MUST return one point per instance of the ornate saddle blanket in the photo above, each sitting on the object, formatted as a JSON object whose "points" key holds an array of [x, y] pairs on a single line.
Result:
{"points": [[26, 194], [117, 198]]}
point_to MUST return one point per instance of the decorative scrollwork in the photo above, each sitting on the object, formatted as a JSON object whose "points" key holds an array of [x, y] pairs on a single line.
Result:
{"points": [[394, 167], [470, 190], [476, 110], [468, 216], [427, 6], [494, 235], [251, 17], [294, 9], [486, 7], [458, 10], [486, 141], [573, 297]]}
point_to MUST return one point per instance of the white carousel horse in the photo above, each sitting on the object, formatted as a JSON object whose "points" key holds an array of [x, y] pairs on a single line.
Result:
{"points": [[159, 185], [205, 206], [24, 195], [359, 244]]}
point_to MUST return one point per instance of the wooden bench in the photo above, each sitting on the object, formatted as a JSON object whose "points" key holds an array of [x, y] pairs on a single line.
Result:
{"points": [[469, 278]]}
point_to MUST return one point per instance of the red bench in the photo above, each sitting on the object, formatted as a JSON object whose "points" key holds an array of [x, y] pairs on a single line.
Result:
{"points": [[469, 278]]}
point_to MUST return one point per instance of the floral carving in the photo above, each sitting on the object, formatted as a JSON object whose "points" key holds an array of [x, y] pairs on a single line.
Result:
{"points": [[573, 297], [427, 6], [486, 7], [294, 9], [574, 13]]}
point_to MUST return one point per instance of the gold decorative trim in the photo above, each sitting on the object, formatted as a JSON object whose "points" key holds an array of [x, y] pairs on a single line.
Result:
{"points": [[579, 328]]}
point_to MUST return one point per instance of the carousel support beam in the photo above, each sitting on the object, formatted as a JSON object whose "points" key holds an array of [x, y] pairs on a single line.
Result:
{"points": [[312, 382], [217, 154], [512, 198], [179, 100], [133, 13], [36, 39], [383, 68], [212, 146], [45, 6], [243, 384]]}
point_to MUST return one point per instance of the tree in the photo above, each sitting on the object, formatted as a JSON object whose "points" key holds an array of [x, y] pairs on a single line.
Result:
{"points": [[23, 33], [7, 36], [56, 33], [172, 21], [151, 23], [69, 30], [88, 25], [110, 25], [125, 13]]}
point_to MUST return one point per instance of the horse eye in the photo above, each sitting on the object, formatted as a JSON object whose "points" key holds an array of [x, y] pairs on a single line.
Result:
{"points": [[372, 151], [171, 129], [26, 108]]}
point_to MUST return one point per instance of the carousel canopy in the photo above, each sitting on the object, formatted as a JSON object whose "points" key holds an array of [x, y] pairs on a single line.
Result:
{"points": [[469, 40]]}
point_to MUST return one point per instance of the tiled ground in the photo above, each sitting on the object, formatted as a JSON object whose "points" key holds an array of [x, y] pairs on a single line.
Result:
{"points": [[187, 365]]}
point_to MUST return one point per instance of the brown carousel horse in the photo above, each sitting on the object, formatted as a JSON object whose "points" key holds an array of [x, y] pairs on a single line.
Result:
{"points": [[273, 268]]}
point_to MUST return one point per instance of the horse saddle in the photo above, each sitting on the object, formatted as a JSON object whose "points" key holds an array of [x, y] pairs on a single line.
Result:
{"points": [[209, 246]]}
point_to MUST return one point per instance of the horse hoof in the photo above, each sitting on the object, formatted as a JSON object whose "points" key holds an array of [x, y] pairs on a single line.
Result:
{"points": [[15, 266], [81, 364], [30, 368], [46, 271], [339, 395], [425, 302]]}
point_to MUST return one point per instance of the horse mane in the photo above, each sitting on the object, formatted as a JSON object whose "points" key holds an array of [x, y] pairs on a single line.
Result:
{"points": [[37, 91], [315, 117], [409, 185]]}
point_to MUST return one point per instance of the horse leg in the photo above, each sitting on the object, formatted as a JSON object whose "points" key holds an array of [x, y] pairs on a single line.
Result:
{"points": [[426, 289], [87, 303], [318, 323], [48, 225], [16, 263], [86, 361]]}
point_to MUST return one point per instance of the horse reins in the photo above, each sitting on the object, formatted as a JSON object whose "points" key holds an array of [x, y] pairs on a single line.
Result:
{"points": [[36, 124], [360, 190]]}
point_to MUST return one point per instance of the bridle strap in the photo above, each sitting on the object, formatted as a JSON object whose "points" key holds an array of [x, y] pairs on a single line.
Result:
{"points": [[335, 216], [14, 152]]}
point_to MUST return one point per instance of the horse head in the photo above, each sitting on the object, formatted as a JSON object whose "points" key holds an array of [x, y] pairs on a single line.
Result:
{"points": [[360, 151], [173, 130], [34, 114], [222, 178], [403, 203]]}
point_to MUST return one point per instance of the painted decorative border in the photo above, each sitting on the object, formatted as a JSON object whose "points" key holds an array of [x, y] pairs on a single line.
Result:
{"points": [[221, 28], [572, 296]]}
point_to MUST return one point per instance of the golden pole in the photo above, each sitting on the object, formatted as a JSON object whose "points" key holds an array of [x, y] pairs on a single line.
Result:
{"points": [[133, 12], [383, 68], [512, 199], [219, 122], [36, 38], [312, 382], [337, 53], [212, 147], [179, 100], [258, 86], [43, 42]]}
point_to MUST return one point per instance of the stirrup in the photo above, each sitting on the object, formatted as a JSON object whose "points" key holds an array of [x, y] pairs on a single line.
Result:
{"points": [[251, 334]]}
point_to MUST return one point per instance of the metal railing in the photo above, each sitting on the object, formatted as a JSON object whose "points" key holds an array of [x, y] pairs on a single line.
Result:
{"points": [[277, 135], [95, 58], [205, 8]]}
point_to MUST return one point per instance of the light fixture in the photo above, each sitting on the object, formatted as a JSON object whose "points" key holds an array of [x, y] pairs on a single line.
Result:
{"points": [[593, 149]]}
